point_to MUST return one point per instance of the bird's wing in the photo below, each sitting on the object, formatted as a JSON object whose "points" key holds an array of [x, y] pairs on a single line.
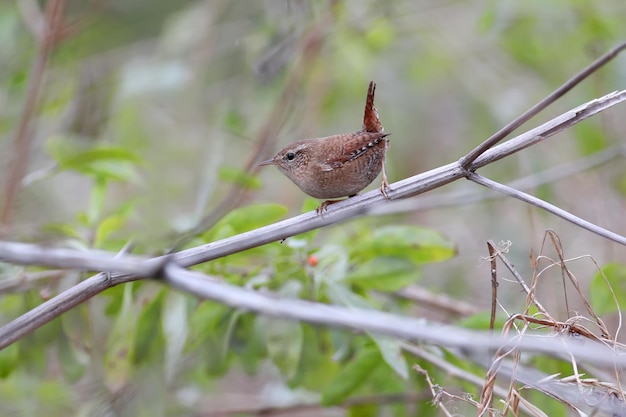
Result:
{"points": [[353, 146]]}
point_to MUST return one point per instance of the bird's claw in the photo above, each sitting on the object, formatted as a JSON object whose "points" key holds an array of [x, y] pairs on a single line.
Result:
{"points": [[384, 188], [324, 206]]}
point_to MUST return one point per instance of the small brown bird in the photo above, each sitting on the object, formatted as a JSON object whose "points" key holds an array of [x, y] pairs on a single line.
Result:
{"points": [[339, 165]]}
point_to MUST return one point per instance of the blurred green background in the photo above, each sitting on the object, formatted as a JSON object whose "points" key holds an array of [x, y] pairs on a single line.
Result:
{"points": [[152, 114]]}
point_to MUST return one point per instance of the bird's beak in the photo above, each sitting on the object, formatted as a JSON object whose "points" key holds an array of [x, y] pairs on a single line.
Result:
{"points": [[265, 163]]}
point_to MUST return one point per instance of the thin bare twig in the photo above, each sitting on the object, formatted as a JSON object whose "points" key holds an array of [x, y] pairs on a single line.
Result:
{"points": [[91, 260], [565, 272], [438, 301], [530, 294], [593, 398], [28, 280], [472, 155], [58, 305], [493, 250], [537, 202], [436, 391], [23, 137], [559, 123], [474, 195], [454, 371]]}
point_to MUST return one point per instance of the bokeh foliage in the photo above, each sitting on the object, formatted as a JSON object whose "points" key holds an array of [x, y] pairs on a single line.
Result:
{"points": [[150, 111]]}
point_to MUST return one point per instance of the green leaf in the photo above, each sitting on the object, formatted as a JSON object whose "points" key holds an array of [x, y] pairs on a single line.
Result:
{"points": [[114, 297], [480, 321], [251, 217], [239, 177], [310, 204], [53, 396], [96, 201], [106, 227], [392, 354], [111, 163], [602, 298], [204, 323], [63, 229], [11, 305], [317, 367], [84, 159], [148, 330], [250, 347], [352, 376], [385, 381], [48, 333], [380, 34], [117, 366], [332, 264], [488, 18], [175, 330], [70, 357], [220, 231], [283, 338], [363, 410], [591, 137], [340, 294], [234, 122], [9, 359], [110, 225], [75, 342], [384, 273], [111, 170], [417, 244], [389, 348]]}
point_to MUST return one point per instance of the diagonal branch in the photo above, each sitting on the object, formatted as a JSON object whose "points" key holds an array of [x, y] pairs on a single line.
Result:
{"points": [[88, 260], [538, 134], [341, 211], [377, 322], [102, 261], [473, 195], [468, 159], [537, 202], [361, 204]]}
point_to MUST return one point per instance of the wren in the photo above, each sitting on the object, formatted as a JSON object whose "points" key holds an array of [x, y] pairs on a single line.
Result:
{"points": [[339, 165]]}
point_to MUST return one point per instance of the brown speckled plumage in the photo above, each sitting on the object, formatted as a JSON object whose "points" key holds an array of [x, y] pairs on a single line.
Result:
{"points": [[339, 165]]}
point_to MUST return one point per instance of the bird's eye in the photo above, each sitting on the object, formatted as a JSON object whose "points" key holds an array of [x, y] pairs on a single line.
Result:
{"points": [[291, 155]]}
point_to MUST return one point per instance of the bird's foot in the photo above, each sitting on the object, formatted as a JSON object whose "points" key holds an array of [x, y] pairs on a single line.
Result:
{"points": [[385, 188], [324, 206]]}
